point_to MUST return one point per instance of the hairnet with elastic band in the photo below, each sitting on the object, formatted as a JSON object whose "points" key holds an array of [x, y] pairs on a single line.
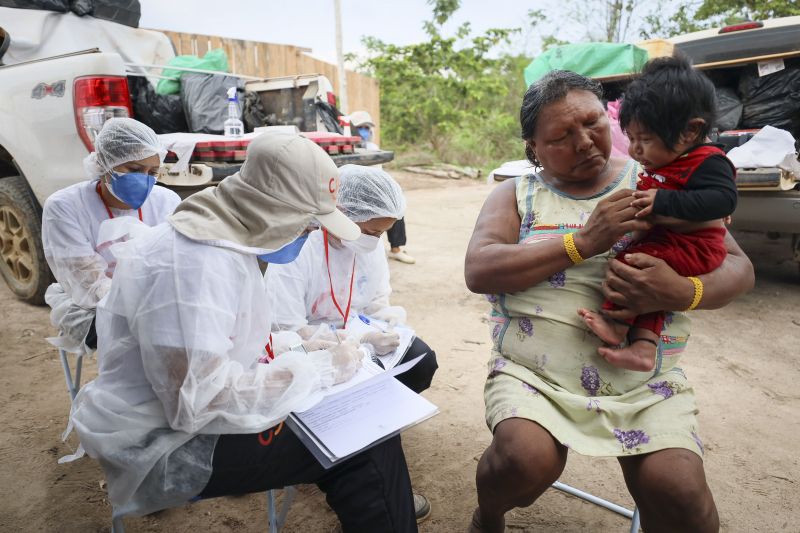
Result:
{"points": [[121, 141], [367, 192]]}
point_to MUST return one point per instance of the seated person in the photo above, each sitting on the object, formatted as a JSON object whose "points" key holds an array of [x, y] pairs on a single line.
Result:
{"points": [[331, 280], [364, 127], [122, 172], [179, 408]]}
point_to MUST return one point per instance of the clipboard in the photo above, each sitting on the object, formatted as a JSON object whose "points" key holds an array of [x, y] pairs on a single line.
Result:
{"points": [[358, 417]]}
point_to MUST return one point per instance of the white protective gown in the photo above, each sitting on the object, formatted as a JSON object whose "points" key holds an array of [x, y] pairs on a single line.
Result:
{"points": [[180, 333], [300, 293], [71, 221]]}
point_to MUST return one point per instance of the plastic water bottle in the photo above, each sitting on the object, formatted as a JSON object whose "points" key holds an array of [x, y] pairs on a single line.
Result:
{"points": [[233, 126]]}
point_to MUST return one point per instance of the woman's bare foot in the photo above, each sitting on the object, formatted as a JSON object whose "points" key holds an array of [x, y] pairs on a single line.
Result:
{"points": [[609, 331], [477, 526], [640, 355]]}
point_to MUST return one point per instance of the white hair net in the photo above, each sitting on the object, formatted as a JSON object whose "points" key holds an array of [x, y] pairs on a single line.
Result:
{"points": [[121, 141], [367, 192]]}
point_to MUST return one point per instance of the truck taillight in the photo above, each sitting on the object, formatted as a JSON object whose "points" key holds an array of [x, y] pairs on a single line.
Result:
{"points": [[332, 98], [97, 99], [742, 26]]}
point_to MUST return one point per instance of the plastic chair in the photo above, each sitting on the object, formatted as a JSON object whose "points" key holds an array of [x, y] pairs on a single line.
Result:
{"points": [[276, 519], [627, 513]]}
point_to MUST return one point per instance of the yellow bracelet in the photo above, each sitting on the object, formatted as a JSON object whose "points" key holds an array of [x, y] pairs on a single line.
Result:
{"points": [[572, 250], [698, 292]]}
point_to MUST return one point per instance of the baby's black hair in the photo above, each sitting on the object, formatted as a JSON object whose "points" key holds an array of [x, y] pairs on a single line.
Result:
{"points": [[668, 94]]}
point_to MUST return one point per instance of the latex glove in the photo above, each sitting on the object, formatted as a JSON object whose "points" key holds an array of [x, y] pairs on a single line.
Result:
{"points": [[382, 342], [322, 332], [393, 315], [318, 344], [346, 360]]}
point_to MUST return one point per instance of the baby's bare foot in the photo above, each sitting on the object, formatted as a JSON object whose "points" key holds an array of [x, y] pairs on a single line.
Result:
{"points": [[640, 355], [609, 331]]}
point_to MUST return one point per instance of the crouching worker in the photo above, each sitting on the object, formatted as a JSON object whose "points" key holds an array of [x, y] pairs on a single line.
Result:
{"points": [[180, 407], [122, 172]]}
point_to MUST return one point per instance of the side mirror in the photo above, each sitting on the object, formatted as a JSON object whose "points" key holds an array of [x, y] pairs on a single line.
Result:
{"points": [[5, 40]]}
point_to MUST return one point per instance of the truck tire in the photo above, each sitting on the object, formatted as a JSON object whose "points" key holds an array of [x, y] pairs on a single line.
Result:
{"points": [[22, 262]]}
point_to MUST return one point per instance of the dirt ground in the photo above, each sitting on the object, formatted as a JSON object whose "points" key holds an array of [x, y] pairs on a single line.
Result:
{"points": [[743, 361]]}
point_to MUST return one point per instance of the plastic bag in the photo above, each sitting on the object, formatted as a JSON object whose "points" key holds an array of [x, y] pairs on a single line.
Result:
{"points": [[330, 116], [205, 101], [772, 100], [215, 59], [127, 12], [162, 112], [62, 6], [253, 113], [729, 109]]}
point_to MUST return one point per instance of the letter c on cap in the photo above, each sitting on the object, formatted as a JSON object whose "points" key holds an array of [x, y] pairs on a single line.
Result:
{"points": [[332, 185]]}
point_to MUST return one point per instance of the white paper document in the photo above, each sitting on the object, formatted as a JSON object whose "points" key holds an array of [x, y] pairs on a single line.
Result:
{"points": [[360, 416]]}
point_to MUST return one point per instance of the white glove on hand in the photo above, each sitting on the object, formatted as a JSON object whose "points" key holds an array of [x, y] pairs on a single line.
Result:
{"points": [[382, 342], [317, 344], [346, 360]]}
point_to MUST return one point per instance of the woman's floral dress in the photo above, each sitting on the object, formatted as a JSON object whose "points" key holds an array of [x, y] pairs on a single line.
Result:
{"points": [[545, 367]]}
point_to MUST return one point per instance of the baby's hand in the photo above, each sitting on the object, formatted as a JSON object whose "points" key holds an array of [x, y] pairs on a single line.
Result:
{"points": [[643, 201]]}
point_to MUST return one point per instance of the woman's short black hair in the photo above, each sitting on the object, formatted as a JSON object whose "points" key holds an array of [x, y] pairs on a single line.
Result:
{"points": [[668, 94], [552, 87]]}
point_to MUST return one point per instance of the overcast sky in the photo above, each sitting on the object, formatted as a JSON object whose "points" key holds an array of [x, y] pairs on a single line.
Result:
{"points": [[310, 23]]}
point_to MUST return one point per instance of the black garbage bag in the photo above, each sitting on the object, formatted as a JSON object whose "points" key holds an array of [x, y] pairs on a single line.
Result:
{"points": [[773, 99], [62, 6], [162, 112], [729, 109], [205, 100], [127, 12], [330, 116], [253, 113]]}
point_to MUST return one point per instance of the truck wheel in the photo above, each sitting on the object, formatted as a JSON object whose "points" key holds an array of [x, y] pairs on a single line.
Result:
{"points": [[22, 261]]}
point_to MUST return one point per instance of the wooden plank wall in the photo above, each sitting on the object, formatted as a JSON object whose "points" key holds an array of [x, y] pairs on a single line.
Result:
{"points": [[269, 60]]}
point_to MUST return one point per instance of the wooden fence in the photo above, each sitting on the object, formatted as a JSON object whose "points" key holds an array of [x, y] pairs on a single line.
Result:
{"points": [[268, 60]]}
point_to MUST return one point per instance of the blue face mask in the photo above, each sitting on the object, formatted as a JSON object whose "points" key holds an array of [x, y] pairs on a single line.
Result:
{"points": [[133, 188], [287, 254], [365, 133]]}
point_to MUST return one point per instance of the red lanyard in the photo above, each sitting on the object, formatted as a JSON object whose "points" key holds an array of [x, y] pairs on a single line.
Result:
{"points": [[346, 313], [108, 209]]}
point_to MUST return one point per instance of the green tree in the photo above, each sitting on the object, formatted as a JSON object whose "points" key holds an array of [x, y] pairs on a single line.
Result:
{"points": [[697, 15], [738, 10], [450, 94]]}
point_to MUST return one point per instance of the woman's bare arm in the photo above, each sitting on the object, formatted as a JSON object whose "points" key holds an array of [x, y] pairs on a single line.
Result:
{"points": [[496, 263], [648, 284]]}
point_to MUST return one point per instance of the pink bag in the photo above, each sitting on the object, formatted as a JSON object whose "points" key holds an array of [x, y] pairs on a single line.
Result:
{"points": [[619, 141]]}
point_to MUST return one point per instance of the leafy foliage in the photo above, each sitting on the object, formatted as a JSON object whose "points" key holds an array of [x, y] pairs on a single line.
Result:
{"points": [[450, 94], [702, 14]]}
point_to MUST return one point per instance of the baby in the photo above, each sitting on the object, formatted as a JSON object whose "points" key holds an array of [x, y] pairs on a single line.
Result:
{"points": [[687, 189]]}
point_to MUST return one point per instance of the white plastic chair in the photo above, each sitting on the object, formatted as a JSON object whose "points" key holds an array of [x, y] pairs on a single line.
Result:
{"points": [[627, 513], [276, 519]]}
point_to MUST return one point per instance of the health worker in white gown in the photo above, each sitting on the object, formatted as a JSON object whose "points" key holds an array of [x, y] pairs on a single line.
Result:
{"points": [[122, 173], [332, 281], [181, 407]]}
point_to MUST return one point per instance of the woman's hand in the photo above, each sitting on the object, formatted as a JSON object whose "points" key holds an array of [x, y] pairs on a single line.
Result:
{"points": [[644, 285], [648, 284], [613, 217]]}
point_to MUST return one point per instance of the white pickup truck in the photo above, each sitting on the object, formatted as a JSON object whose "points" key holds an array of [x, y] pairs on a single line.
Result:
{"points": [[53, 104]]}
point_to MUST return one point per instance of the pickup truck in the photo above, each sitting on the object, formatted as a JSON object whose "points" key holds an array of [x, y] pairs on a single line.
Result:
{"points": [[52, 107]]}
